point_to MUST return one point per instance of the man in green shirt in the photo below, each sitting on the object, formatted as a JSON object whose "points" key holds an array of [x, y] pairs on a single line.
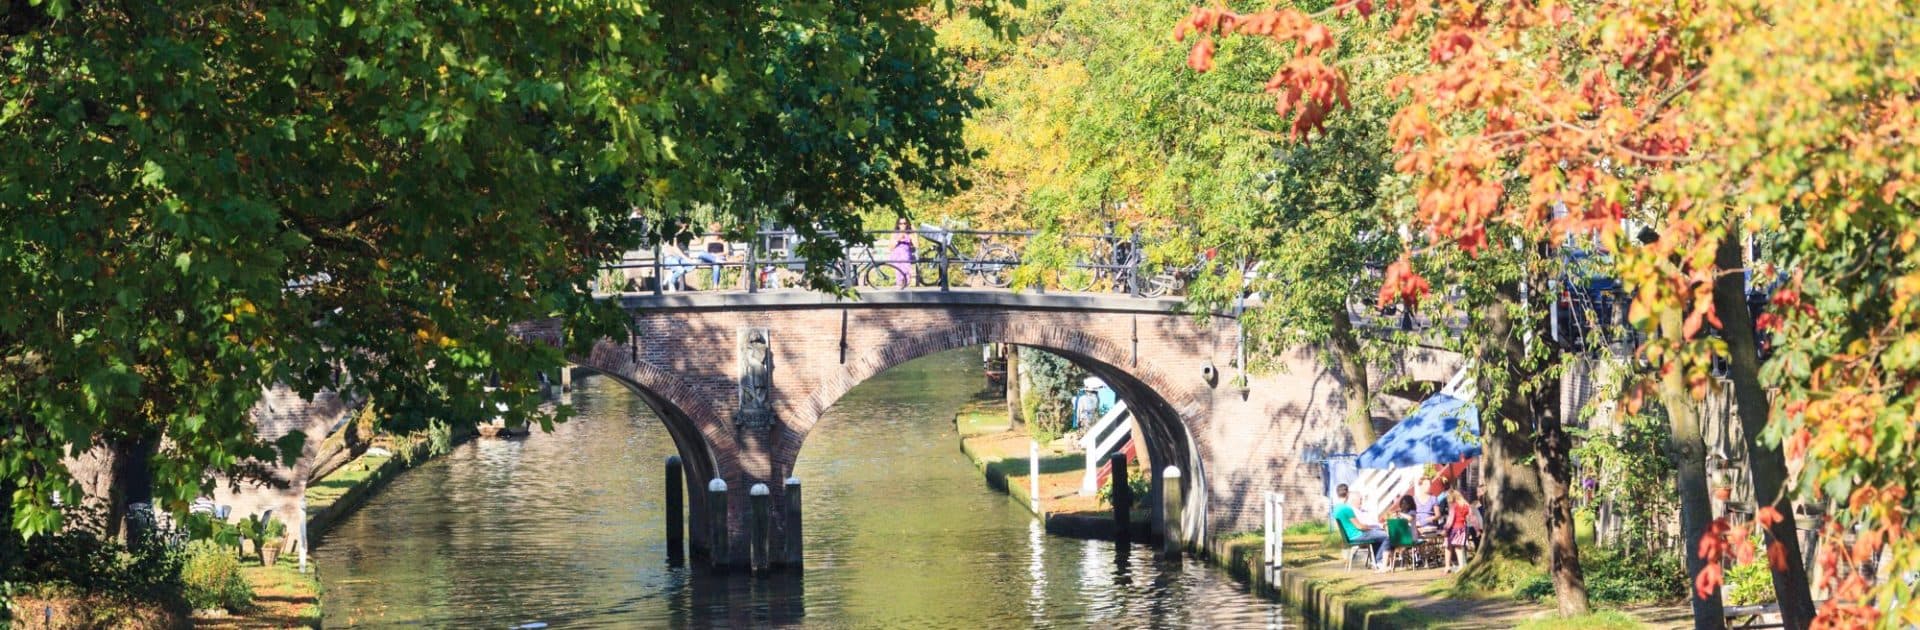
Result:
{"points": [[1345, 518]]}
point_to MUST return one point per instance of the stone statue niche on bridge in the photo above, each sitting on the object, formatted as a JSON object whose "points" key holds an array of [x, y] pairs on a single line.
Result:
{"points": [[756, 381]]}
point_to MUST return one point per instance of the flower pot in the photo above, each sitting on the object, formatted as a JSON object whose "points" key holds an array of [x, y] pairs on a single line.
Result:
{"points": [[269, 552], [1723, 493]]}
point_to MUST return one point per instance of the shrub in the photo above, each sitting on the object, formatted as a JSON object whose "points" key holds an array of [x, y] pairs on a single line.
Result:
{"points": [[211, 575], [1616, 579], [84, 563], [203, 526], [1749, 584]]}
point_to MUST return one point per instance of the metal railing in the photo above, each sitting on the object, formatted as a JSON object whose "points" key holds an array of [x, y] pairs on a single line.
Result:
{"points": [[926, 257]]}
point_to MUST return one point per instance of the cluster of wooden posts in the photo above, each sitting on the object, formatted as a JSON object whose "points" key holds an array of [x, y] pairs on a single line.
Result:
{"points": [[759, 548], [760, 501]]}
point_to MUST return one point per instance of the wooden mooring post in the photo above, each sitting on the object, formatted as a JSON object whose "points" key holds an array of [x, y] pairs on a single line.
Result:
{"points": [[676, 525]]}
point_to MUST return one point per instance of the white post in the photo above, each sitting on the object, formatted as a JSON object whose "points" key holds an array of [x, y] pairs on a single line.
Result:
{"points": [[1033, 476], [1276, 531], [303, 531]]}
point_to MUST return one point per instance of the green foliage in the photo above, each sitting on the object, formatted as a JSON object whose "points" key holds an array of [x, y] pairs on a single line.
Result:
{"points": [[1051, 382], [77, 560], [1619, 579], [1635, 474], [439, 438], [203, 526], [260, 530], [1749, 584], [211, 578], [202, 199]]}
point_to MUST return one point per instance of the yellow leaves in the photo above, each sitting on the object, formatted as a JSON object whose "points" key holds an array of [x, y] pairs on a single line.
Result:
{"points": [[241, 308]]}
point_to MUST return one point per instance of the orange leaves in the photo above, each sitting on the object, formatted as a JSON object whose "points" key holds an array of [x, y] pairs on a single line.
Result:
{"points": [[1308, 89], [1305, 87], [1768, 516], [1402, 284], [1713, 548], [1449, 44], [1200, 59]]}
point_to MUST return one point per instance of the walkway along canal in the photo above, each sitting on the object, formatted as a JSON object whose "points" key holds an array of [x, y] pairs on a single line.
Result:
{"points": [[567, 529]]}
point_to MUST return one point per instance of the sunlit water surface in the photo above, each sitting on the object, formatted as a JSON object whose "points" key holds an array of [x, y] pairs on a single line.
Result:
{"points": [[565, 529]]}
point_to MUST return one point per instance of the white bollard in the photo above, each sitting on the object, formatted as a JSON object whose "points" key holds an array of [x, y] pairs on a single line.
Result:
{"points": [[1171, 503], [1033, 476], [303, 532], [1275, 533]]}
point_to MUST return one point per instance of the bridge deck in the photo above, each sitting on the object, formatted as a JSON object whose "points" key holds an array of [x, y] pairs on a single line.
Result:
{"points": [[1050, 300]]}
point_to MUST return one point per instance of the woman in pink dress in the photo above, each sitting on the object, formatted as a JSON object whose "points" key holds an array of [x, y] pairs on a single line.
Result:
{"points": [[902, 255]]}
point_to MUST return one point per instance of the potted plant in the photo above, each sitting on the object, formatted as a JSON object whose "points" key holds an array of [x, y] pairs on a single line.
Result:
{"points": [[267, 535], [1722, 482]]}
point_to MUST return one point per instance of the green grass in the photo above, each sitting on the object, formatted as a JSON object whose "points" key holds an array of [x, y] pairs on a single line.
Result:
{"points": [[981, 417], [1315, 528], [1049, 464], [1381, 611], [1603, 620], [323, 493]]}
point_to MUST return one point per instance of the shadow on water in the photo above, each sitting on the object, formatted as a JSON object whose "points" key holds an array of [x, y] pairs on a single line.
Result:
{"points": [[565, 530]]}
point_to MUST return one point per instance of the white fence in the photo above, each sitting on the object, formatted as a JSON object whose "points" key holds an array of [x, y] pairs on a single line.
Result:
{"points": [[1100, 440]]}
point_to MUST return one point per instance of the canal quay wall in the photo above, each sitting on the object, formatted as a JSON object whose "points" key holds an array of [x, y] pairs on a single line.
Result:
{"points": [[1324, 602]]}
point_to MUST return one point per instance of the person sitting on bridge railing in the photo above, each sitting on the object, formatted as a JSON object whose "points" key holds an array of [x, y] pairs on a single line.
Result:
{"points": [[715, 251], [674, 260]]}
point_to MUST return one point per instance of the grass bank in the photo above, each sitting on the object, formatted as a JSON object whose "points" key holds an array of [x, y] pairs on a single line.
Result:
{"points": [[1005, 458], [283, 597]]}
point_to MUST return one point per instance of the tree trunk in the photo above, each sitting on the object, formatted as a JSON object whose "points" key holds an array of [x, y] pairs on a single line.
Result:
{"points": [[1514, 506], [338, 449], [1554, 449], [1355, 389], [1690, 466], [1013, 387], [130, 481], [1768, 467]]}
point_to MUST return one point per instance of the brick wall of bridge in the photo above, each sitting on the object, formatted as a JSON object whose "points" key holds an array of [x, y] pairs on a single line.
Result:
{"points": [[1242, 445]]}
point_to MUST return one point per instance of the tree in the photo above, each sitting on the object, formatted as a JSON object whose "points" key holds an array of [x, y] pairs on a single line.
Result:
{"points": [[1090, 120], [1527, 448], [1712, 123], [203, 199]]}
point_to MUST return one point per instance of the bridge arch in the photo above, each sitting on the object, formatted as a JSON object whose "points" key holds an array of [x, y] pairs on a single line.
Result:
{"points": [[705, 449], [1162, 408]]}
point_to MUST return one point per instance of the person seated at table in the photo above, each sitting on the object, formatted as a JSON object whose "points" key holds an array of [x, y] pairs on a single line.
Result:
{"points": [[1426, 508], [1355, 532], [1399, 526]]}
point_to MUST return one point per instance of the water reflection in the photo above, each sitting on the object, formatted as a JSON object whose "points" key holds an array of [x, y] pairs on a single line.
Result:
{"points": [[566, 529]]}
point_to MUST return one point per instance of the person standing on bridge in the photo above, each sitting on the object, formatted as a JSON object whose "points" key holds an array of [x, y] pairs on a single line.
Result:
{"points": [[902, 255]]}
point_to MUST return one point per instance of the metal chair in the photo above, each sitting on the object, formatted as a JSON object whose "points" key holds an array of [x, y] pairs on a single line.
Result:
{"points": [[1353, 548]]}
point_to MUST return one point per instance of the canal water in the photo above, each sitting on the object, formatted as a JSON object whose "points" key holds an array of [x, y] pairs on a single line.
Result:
{"points": [[564, 529]]}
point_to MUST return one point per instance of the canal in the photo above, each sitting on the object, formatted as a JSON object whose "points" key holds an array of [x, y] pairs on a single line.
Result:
{"points": [[565, 529]]}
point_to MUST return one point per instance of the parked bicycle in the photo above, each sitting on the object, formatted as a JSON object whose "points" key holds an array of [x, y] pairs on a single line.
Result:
{"points": [[1115, 266], [992, 266]]}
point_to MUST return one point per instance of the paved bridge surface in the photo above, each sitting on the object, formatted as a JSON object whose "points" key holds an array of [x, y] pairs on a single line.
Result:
{"points": [[687, 359]]}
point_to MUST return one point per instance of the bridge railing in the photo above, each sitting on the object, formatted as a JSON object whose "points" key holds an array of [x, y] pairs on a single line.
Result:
{"points": [[924, 257]]}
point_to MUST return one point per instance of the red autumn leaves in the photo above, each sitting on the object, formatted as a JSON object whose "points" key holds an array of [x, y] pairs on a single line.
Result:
{"points": [[1306, 88]]}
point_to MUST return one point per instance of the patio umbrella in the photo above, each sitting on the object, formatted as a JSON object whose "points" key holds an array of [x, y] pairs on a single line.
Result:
{"points": [[1435, 433]]}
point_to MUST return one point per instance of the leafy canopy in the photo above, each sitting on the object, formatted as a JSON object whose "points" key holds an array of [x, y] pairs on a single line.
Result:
{"points": [[201, 199]]}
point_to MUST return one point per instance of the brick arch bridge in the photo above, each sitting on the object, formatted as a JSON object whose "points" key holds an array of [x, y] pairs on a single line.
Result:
{"points": [[684, 360]]}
